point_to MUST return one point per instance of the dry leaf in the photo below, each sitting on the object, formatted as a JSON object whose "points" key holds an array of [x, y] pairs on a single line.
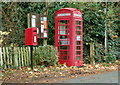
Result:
{"points": [[45, 69], [35, 70], [60, 72], [29, 69], [31, 72], [72, 76]]}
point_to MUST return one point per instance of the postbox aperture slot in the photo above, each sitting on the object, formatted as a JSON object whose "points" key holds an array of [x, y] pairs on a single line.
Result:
{"points": [[34, 30]]}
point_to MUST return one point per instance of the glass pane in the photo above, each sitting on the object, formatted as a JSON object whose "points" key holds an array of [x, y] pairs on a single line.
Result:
{"points": [[77, 22], [78, 38], [77, 57], [78, 32], [68, 37], [68, 27], [77, 52], [63, 27], [65, 57], [63, 37], [68, 21], [77, 27], [63, 47], [77, 47], [63, 32], [63, 22], [68, 57], [78, 42], [63, 52], [64, 43]]}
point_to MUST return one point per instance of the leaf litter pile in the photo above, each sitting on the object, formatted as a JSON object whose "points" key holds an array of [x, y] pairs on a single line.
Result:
{"points": [[49, 74]]}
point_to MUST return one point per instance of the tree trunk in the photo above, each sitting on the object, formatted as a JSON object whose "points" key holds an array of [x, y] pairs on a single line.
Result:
{"points": [[92, 62]]}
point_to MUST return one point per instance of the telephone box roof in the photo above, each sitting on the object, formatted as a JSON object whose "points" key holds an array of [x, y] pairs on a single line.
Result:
{"points": [[70, 9]]}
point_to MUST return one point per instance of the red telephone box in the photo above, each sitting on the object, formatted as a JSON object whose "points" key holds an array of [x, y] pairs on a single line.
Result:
{"points": [[31, 36], [68, 36]]}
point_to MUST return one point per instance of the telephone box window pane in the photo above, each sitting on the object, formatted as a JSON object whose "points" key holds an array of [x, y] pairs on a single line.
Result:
{"points": [[77, 47], [63, 22], [78, 42], [63, 52], [78, 22], [68, 37], [78, 32], [77, 52], [63, 47], [63, 37], [63, 27], [78, 37], [65, 57], [68, 57], [64, 43], [68, 21], [68, 27], [77, 27], [63, 32], [68, 32], [77, 57]]}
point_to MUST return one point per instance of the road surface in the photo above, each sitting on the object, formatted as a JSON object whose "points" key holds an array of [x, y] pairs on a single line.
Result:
{"points": [[110, 77]]}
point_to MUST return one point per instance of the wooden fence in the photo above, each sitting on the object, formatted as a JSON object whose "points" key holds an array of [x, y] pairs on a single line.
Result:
{"points": [[11, 57], [17, 57]]}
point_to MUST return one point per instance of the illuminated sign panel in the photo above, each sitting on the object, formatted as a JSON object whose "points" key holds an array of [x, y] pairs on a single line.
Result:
{"points": [[65, 14]]}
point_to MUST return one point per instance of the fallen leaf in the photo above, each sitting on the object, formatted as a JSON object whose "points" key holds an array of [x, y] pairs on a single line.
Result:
{"points": [[31, 72], [45, 69], [72, 76], [60, 72], [29, 69], [35, 70]]}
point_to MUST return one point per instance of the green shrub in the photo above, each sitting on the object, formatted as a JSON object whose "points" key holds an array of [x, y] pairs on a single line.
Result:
{"points": [[46, 55]]}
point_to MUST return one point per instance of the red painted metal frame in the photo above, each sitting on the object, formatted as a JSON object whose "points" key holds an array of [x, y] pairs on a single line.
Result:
{"points": [[71, 15]]}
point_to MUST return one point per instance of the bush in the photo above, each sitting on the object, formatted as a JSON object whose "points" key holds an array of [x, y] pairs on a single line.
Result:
{"points": [[46, 55]]}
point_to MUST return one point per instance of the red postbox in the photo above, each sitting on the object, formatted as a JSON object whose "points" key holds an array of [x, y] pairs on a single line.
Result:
{"points": [[68, 36], [31, 36]]}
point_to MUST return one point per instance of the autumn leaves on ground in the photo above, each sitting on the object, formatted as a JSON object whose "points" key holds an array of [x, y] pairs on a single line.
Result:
{"points": [[42, 74]]}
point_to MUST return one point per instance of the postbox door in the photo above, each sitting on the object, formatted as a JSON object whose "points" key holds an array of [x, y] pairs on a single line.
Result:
{"points": [[35, 36], [63, 39]]}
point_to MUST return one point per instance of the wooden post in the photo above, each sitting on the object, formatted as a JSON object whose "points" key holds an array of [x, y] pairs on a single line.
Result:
{"points": [[22, 56], [1, 60], [34, 63], [15, 57], [92, 62], [4, 58], [8, 64], [45, 40], [28, 20], [11, 56], [29, 55], [18, 48]]}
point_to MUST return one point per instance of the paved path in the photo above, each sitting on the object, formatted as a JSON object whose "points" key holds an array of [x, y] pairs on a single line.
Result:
{"points": [[110, 77]]}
